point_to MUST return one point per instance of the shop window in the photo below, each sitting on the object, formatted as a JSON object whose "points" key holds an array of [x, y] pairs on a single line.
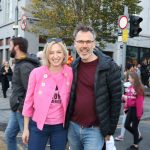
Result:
{"points": [[138, 55], [132, 55]]}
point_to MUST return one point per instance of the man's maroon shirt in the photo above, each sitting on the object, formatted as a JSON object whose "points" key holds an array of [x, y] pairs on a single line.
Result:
{"points": [[84, 111]]}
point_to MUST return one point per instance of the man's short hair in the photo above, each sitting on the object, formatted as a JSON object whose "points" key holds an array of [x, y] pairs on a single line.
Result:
{"points": [[84, 28], [21, 42]]}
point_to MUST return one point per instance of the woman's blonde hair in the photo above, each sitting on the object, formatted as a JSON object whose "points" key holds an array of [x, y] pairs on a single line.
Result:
{"points": [[48, 47]]}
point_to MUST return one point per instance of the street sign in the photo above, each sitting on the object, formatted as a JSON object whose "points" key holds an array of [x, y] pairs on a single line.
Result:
{"points": [[123, 22], [23, 23], [125, 35]]}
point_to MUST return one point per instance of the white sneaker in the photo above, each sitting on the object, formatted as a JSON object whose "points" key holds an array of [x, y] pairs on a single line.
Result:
{"points": [[119, 138]]}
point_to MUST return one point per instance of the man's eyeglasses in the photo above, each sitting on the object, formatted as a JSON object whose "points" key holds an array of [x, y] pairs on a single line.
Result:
{"points": [[54, 40], [88, 42]]}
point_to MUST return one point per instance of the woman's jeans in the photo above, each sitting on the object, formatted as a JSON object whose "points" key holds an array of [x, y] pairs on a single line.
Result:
{"points": [[15, 124], [38, 139], [81, 138]]}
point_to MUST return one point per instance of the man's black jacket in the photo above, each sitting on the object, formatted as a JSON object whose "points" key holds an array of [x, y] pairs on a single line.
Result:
{"points": [[107, 89], [21, 73]]}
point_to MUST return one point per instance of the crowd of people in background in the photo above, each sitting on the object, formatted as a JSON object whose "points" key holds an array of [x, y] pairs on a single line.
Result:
{"points": [[143, 71]]}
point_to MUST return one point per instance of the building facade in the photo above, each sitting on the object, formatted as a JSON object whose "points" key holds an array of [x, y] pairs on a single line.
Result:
{"points": [[7, 27], [135, 51]]}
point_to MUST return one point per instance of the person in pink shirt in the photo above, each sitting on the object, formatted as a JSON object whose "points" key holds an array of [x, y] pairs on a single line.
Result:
{"points": [[47, 99], [134, 98]]}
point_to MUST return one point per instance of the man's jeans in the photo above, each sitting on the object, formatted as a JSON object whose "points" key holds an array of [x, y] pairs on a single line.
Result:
{"points": [[15, 124], [80, 138]]}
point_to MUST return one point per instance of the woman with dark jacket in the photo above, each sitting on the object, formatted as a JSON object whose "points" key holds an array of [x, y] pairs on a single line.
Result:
{"points": [[6, 74]]}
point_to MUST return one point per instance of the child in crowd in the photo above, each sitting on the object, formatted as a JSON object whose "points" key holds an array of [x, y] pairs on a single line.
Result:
{"points": [[134, 98], [121, 136]]}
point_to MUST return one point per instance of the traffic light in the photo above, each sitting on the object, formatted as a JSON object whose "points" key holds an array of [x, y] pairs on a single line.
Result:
{"points": [[135, 26]]}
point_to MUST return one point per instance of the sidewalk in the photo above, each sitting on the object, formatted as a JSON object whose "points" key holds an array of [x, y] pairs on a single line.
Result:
{"points": [[4, 109], [4, 114]]}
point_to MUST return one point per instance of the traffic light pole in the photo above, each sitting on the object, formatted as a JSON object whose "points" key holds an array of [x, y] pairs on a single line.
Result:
{"points": [[124, 44]]}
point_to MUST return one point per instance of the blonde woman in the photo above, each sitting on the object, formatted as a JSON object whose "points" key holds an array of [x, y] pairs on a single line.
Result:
{"points": [[47, 99]]}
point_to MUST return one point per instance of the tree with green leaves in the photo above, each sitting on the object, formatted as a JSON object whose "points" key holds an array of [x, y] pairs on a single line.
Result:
{"points": [[58, 18]]}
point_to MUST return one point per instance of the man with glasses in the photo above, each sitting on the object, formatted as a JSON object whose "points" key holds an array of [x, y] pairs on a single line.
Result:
{"points": [[95, 101]]}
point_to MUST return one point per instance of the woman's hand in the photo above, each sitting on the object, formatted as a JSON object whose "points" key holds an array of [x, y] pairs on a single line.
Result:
{"points": [[25, 136]]}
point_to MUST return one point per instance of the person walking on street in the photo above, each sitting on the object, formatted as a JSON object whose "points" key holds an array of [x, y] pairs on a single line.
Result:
{"points": [[134, 98], [126, 84], [23, 66], [95, 101], [144, 73], [47, 99], [6, 74]]}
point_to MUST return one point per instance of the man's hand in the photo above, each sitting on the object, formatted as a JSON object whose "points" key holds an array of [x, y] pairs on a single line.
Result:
{"points": [[107, 137]]}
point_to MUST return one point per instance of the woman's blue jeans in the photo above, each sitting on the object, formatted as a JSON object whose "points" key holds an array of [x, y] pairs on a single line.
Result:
{"points": [[38, 139], [81, 138]]}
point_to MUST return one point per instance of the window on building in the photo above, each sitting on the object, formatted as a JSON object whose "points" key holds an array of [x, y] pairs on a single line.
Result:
{"points": [[7, 10], [108, 53], [132, 55], [145, 56], [42, 39], [8, 40], [136, 55], [0, 6], [41, 48], [7, 54], [1, 42], [1, 56]]}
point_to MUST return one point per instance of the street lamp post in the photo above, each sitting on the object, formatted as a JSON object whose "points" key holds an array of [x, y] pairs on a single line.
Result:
{"points": [[16, 20]]}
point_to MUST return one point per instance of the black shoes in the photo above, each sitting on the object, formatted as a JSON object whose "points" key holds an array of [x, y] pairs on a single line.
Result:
{"points": [[132, 147], [140, 139]]}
